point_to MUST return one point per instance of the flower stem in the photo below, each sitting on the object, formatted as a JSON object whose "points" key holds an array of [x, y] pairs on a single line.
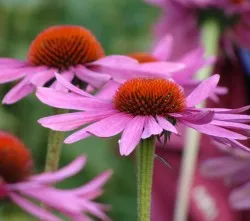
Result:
{"points": [[145, 163], [210, 36], [55, 141]]}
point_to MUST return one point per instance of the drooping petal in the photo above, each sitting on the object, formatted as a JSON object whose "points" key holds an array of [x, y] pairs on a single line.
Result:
{"points": [[151, 127], [70, 86], [203, 117], [55, 198], [91, 77], [240, 118], [166, 125], [67, 76], [240, 197], [32, 208], [230, 124], [60, 175], [222, 166], [94, 184], [61, 99], [71, 121], [108, 91], [163, 49], [41, 78], [22, 89], [203, 91], [131, 135], [216, 131], [8, 75], [106, 127]]}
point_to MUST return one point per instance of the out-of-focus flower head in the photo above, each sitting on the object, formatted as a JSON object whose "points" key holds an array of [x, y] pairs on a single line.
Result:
{"points": [[19, 185], [75, 53], [181, 19], [141, 108], [234, 169]]}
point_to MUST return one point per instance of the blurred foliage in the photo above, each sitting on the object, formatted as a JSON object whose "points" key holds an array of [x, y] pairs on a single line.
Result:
{"points": [[122, 26]]}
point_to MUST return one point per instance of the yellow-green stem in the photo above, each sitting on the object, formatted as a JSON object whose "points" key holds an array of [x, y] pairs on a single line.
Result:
{"points": [[55, 142], [145, 164]]}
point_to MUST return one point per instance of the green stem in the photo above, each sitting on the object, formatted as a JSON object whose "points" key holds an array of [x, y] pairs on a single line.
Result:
{"points": [[55, 142], [145, 163]]}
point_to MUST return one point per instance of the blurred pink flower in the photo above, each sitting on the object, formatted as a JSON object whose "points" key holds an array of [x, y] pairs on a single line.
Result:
{"points": [[139, 109], [75, 53], [234, 169], [17, 184], [180, 18]]}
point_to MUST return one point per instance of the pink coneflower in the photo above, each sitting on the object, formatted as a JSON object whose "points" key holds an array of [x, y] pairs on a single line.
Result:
{"points": [[140, 108], [18, 185], [186, 14], [74, 52], [234, 169]]}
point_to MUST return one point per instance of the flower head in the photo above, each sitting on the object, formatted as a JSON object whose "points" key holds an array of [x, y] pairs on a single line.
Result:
{"points": [[141, 108], [17, 184], [75, 53]]}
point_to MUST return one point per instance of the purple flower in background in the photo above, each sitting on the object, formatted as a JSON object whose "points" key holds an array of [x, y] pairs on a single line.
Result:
{"points": [[22, 188], [234, 169], [75, 53], [141, 108], [186, 14]]}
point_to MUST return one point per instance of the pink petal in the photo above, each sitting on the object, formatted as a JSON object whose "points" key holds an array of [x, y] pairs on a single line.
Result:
{"points": [[33, 209], [67, 76], [106, 127], [19, 91], [55, 198], [230, 124], [127, 70], [240, 197], [60, 175], [41, 78], [114, 61], [222, 166], [203, 117], [61, 99], [166, 125], [108, 91], [91, 77], [163, 49], [8, 75], [70, 86], [240, 118], [94, 184], [229, 111], [151, 127], [71, 121], [11, 61], [131, 136], [213, 130], [203, 91]]}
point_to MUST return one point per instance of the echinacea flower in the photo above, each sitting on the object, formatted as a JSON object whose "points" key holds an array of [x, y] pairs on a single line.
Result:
{"points": [[76, 54], [24, 189], [181, 19], [140, 108], [234, 169]]}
